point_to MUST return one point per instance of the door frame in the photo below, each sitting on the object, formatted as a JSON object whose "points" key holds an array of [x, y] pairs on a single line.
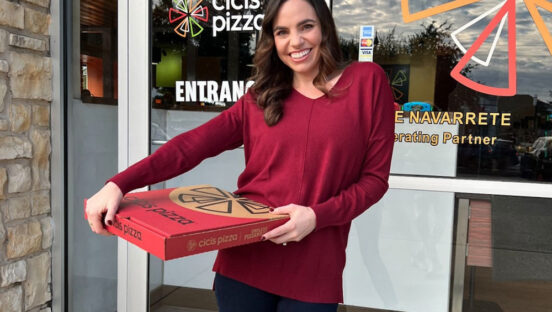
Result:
{"points": [[133, 134]]}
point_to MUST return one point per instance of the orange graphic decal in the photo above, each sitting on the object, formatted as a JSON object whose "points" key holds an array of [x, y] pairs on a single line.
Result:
{"points": [[509, 10], [410, 17], [537, 18]]}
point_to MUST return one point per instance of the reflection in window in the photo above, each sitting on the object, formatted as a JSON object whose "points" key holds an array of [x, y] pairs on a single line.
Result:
{"points": [[198, 63], [98, 48], [419, 57], [507, 240]]}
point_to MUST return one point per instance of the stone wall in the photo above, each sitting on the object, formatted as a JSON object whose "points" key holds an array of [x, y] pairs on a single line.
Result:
{"points": [[26, 226]]}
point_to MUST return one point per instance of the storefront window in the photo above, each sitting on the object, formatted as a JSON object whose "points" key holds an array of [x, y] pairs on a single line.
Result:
{"points": [[488, 116], [202, 52], [98, 52], [475, 117]]}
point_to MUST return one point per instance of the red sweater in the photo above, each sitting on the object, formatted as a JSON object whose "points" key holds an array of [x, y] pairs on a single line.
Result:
{"points": [[331, 154]]}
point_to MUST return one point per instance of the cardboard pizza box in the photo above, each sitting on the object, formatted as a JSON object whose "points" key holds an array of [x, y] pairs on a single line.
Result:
{"points": [[178, 222]]}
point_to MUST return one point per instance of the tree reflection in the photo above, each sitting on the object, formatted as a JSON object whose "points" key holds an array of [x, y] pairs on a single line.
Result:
{"points": [[431, 41]]}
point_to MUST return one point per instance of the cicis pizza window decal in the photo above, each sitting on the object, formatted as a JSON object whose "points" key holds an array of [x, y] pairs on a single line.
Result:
{"points": [[188, 14]]}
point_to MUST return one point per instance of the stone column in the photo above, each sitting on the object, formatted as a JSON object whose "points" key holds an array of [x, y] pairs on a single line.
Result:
{"points": [[26, 225]]}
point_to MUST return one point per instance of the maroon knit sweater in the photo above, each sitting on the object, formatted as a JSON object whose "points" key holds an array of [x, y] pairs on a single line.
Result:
{"points": [[330, 153]]}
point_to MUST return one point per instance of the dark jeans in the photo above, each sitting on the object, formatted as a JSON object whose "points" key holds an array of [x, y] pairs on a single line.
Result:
{"points": [[234, 296]]}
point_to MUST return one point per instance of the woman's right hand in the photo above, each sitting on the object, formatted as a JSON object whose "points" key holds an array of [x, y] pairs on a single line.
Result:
{"points": [[105, 201]]}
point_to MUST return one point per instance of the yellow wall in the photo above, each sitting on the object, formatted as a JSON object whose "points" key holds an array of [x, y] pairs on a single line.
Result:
{"points": [[422, 75]]}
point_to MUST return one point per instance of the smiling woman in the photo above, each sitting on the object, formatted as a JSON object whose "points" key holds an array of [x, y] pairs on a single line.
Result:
{"points": [[317, 139], [308, 50], [297, 39]]}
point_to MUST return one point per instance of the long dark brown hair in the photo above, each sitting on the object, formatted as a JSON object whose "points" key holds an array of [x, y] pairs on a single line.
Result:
{"points": [[273, 79]]}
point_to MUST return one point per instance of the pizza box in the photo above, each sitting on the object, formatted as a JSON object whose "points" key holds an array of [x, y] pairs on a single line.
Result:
{"points": [[178, 222]]}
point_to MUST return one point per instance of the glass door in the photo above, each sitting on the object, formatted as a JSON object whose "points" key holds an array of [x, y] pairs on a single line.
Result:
{"points": [[184, 66], [201, 56], [91, 114]]}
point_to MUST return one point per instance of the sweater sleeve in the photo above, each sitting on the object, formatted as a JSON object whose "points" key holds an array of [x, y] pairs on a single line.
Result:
{"points": [[185, 151], [373, 181]]}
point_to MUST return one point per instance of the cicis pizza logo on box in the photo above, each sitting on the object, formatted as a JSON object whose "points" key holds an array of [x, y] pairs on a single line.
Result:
{"points": [[212, 200]]}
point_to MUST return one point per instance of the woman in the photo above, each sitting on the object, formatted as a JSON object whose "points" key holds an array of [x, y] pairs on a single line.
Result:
{"points": [[318, 141]]}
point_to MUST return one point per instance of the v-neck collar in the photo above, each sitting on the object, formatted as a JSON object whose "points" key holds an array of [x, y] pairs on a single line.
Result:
{"points": [[333, 88]]}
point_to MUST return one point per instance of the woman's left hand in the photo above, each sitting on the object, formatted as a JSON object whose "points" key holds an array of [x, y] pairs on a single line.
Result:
{"points": [[302, 221]]}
